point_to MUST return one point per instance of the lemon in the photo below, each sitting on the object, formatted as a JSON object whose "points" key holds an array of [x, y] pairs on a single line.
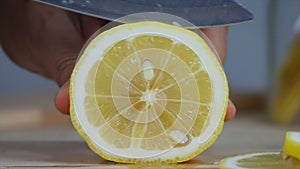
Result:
{"points": [[265, 160], [148, 92], [288, 159], [291, 144]]}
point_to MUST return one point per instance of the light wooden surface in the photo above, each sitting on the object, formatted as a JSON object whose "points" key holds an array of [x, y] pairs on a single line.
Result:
{"points": [[39, 137], [76, 154]]}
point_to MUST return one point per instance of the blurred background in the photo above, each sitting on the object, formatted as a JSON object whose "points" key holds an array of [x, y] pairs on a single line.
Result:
{"points": [[255, 52]]}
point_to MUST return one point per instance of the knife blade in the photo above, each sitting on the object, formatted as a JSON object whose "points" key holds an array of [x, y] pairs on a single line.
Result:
{"points": [[201, 13]]}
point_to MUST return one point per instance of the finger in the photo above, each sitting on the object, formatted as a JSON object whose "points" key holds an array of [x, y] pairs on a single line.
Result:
{"points": [[62, 99], [231, 111], [218, 37]]}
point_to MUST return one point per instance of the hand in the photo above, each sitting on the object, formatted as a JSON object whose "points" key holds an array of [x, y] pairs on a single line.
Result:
{"points": [[46, 40]]}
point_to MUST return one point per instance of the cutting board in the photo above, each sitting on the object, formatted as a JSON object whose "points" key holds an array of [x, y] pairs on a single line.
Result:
{"points": [[56, 148]]}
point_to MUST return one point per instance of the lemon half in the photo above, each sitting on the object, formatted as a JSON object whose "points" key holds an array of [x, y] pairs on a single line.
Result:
{"points": [[263, 160], [148, 92], [288, 159]]}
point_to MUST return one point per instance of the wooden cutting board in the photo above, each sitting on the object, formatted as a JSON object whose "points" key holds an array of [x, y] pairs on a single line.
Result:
{"points": [[76, 154], [55, 148]]}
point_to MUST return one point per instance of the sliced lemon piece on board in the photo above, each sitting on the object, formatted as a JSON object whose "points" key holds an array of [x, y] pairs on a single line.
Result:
{"points": [[291, 144], [265, 160], [148, 92]]}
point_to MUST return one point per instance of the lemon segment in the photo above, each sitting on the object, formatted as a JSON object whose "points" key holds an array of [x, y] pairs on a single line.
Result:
{"points": [[148, 92], [291, 144]]}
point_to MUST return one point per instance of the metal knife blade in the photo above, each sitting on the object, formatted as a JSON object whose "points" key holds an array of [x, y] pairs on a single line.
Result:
{"points": [[201, 13]]}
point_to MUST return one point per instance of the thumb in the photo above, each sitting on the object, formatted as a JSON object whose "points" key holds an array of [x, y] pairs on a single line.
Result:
{"points": [[64, 69], [62, 100]]}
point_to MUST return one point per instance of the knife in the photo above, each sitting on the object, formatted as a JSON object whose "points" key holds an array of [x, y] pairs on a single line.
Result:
{"points": [[201, 13]]}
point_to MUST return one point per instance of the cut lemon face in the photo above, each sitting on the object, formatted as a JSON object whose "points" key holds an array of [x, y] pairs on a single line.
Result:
{"points": [[148, 92], [291, 144], [266, 160]]}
